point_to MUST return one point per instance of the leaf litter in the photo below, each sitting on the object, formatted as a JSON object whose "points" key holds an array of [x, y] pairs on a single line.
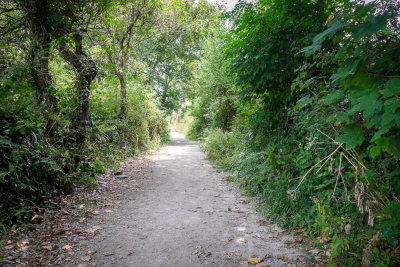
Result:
{"points": [[46, 241]]}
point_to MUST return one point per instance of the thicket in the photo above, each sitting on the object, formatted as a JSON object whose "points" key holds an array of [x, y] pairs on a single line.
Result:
{"points": [[80, 89], [300, 100]]}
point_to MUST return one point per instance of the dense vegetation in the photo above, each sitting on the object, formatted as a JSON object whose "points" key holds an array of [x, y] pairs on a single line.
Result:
{"points": [[80, 85], [300, 100]]}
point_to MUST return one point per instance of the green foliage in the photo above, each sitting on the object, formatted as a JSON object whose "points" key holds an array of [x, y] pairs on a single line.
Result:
{"points": [[36, 165], [315, 134], [220, 147]]}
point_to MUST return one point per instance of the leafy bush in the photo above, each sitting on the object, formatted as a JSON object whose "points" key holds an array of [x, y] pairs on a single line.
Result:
{"points": [[316, 133]]}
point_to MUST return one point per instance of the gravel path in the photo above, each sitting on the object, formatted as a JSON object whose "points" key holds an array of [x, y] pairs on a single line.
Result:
{"points": [[184, 213]]}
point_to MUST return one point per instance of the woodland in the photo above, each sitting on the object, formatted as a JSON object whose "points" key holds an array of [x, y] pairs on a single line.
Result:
{"points": [[298, 99]]}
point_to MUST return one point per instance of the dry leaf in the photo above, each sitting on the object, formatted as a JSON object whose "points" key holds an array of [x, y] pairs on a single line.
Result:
{"points": [[234, 210], [209, 212], [9, 247], [102, 222], [108, 211], [95, 212], [67, 247], [284, 258], [35, 218], [91, 252], [93, 230], [237, 254], [131, 251], [262, 222], [267, 256], [86, 258], [49, 248], [254, 260], [242, 240], [22, 243]]}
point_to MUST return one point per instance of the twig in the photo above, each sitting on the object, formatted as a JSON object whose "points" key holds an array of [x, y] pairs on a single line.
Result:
{"points": [[338, 174], [315, 165]]}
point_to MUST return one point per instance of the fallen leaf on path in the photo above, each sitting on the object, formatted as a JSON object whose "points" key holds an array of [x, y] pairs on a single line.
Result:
{"points": [[95, 212], [22, 243], [131, 251], [108, 253], [102, 222], [242, 240], [49, 248], [209, 212], [233, 210], [237, 254], [93, 230], [284, 258], [267, 256], [256, 235], [86, 258], [67, 247], [262, 222], [254, 260], [91, 252], [9, 247], [298, 240], [36, 218], [108, 211]]}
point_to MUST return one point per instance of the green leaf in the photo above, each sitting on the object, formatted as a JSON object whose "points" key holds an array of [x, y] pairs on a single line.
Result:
{"points": [[334, 27], [342, 117], [333, 97], [352, 136], [379, 133], [392, 105], [367, 101], [371, 25], [310, 50], [345, 70], [388, 118], [304, 101], [392, 88]]}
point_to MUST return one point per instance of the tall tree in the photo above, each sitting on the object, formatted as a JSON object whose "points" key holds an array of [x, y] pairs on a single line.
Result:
{"points": [[175, 46], [38, 22], [122, 27]]}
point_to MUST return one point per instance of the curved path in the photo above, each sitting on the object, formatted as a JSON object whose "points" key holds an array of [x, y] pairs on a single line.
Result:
{"points": [[184, 213]]}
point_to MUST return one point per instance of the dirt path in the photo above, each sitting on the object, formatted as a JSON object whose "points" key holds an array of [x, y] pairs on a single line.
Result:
{"points": [[184, 213]]}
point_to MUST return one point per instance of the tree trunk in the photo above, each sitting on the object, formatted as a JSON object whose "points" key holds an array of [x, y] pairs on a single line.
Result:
{"points": [[87, 71], [124, 104], [39, 29]]}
